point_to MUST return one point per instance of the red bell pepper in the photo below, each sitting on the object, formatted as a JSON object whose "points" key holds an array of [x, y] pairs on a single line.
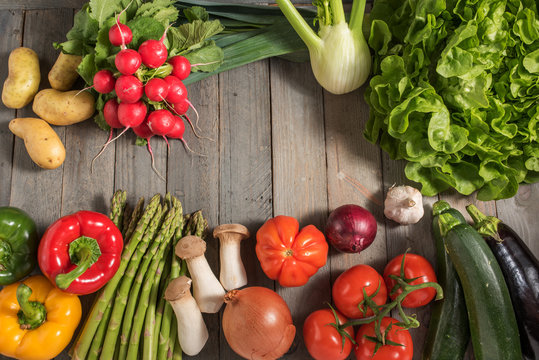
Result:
{"points": [[80, 252]]}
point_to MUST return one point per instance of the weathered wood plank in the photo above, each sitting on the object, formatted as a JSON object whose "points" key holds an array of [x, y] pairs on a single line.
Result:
{"points": [[520, 213], [11, 23], [195, 181], [41, 4], [245, 195], [354, 174], [417, 237], [33, 189], [299, 175]]}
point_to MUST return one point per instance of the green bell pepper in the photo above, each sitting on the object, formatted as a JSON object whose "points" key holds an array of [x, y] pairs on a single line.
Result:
{"points": [[18, 245]]}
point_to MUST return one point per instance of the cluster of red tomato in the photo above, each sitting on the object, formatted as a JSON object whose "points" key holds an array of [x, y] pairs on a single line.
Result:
{"points": [[324, 341]]}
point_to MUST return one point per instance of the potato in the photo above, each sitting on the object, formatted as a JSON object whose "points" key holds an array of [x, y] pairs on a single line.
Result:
{"points": [[63, 108], [42, 143], [23, 78], [64, 71]]}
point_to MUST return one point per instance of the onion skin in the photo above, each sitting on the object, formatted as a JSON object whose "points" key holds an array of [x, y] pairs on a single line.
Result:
{"points": [[257, 323], [351, 228]]}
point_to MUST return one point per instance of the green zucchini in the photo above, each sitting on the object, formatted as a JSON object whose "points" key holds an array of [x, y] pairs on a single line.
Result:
{"points": [[449, 332], [492, 321]]}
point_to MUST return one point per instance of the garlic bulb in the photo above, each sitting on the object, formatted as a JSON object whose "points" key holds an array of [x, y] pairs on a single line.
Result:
{"points": [[404, 204]]}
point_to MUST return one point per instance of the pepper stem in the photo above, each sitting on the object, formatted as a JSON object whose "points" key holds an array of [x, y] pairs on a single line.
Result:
{"points": [[5, 254], [32, 313], [485, 225], [83, 252]]}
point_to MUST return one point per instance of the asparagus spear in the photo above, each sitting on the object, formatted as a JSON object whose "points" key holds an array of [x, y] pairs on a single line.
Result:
{"points": [[81, 347], [135, 217], [97, 342], [133, 298], [128, 292], [117, 208], [142, 306]]}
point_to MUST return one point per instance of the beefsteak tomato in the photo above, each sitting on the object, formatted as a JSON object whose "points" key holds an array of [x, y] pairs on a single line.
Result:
{"points": [[322, 340], [415, 267], [348, 291], [288, 255], [397, 342]]}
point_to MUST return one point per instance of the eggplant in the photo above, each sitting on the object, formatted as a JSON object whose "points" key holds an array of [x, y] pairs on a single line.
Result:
{"points": [[520, 269]]}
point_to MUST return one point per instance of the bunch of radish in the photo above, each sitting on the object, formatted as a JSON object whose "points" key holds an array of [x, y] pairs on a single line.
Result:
{"points": [[156, 107]]}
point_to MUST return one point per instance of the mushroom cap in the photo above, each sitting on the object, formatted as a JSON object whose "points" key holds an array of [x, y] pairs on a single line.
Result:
{"points": [[178, 288], [240, 230], [190, 247]]}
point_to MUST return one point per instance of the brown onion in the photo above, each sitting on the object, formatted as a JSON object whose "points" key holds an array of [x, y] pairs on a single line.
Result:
{"points": [[257, 323]]}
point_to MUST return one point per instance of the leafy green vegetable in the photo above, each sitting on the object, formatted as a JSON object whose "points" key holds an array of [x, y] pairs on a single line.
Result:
{"points": [[455, 92]]}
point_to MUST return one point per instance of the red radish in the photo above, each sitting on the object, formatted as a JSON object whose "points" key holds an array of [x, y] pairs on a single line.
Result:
{"points": [[143, 131], [176, 90], [127, 61], [181, 67], [156, 89], [129, 89], [104, 81], [120, 34], [160, 122], [154, 52], [110, 113], [131, 115], [181, 107], [177, 133]]}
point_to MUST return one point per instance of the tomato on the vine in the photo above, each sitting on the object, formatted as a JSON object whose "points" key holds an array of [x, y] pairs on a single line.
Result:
{"points": [[398, 342], [322, 340], [348, 291], [415, 267]]}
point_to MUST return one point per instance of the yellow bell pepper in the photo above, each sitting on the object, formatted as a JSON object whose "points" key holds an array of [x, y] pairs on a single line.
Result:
{"points": [[37, 320]]}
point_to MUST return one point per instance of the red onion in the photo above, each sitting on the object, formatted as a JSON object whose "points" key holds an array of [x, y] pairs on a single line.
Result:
{"points": [[351, 228]]}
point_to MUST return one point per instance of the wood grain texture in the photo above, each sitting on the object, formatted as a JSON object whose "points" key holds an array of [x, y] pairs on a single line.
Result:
{"points": [[195, 181], [34, 189], [417, 237], [245, 194], [11, 26], [299, 175], [354, 171], [41, 4], [520, 213]]}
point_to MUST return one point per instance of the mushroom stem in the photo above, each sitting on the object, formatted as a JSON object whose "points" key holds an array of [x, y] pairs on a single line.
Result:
{"points": [[207, 290], [233, 273], [192, 331]]}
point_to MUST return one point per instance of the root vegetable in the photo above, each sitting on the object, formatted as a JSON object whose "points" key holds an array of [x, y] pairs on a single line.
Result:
{"points": [[41, 141], [192, 331], [181, 67], [257, 323], [120, 34], [23, 78], [351, 228], [207, 290], [154, 52], [233, 273], [63, 108], [160, 122], [177, 92], [144, 132], [128, 88], [104, 81], [404, 204], [127, 61], [63, 73], [156, 89]]}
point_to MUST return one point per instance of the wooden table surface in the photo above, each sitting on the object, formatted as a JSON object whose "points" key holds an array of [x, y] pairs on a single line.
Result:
{"points": [[281, 145]]}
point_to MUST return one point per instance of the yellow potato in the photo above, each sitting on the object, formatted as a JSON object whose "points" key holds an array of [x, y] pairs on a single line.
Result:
{"points": [[64, 71], [63, 108], [23, 79], [42, 143]]}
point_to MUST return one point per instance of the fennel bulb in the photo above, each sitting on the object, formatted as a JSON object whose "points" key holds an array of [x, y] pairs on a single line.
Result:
{"points": [[340, 56]]}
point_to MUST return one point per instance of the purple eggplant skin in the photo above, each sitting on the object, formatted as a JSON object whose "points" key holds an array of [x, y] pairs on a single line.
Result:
{"points": [[521, 272]]}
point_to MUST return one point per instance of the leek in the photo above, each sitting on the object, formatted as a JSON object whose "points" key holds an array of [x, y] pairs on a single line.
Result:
{"points": [[340, 57]]}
